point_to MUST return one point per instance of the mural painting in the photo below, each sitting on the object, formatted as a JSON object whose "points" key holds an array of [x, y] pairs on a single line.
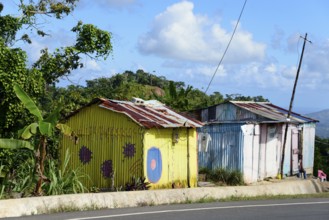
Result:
{"points": [[154, 164]]}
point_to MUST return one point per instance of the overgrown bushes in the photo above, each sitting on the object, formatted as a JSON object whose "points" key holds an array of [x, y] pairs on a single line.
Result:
{"points": [[223, 176], [58, 180], [62, 180]]}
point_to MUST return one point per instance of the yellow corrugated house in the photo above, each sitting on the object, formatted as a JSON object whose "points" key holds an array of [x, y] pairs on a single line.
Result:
{"points": [[122, 139]]}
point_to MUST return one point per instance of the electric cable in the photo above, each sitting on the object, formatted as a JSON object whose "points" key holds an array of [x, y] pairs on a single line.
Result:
{"points": [[236, 26]]}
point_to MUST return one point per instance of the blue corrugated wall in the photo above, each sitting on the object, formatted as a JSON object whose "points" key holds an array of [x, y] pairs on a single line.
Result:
{"points": [[224, 149]]}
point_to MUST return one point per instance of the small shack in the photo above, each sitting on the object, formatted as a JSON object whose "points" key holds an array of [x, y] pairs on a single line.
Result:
{"points": [[119, 140], [248, 136]]}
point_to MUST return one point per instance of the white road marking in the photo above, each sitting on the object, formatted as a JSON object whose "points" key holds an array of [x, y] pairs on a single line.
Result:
{"points": [[200, 209]]}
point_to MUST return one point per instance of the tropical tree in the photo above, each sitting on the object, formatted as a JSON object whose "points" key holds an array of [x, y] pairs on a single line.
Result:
{"points": [[36, 78], [42, 129], [239, 97]]}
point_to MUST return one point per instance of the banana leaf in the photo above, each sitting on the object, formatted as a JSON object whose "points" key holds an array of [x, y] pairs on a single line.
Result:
{"points": [[15, 144], [28, 102]]}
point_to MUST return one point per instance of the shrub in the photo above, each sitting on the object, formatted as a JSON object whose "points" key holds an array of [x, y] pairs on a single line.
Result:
{"points": [[137, 183], [226, 177], [18, 181], [64, 180], [204, 170]]}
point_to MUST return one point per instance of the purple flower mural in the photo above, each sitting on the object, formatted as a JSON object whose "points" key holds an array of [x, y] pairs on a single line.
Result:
{"points": [[107, 169], [85, 154], [129, 150]]}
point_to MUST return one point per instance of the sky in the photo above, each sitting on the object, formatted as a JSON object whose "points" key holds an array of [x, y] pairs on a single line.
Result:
{"points": [[184, 40]]}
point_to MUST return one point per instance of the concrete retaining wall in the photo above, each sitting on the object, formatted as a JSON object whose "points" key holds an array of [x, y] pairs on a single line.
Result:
{"points": [[89, 201]]}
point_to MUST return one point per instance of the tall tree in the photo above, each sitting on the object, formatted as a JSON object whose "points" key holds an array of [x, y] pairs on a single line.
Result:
{"points": [[90, 41]]}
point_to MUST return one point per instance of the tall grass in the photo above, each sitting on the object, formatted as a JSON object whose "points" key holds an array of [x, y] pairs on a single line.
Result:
{"points": [[19, 182], [224, 176], [63, 180]]}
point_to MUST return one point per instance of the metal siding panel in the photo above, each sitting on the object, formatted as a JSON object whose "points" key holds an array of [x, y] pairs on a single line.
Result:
{"points": [[248, 152], [294, 142], [174, 156], [262, 152], [204, 115], [159, 139], [105, 134], [308, 146], [193, 152], [287, 156], [225, 148]]}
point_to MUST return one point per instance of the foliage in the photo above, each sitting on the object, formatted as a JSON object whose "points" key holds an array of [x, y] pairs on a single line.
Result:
{"points": [[239, 97], [140, 84], [226, 177], [90, 40], [62, 180], [137, 183], [14, 144], [20, 181], [204, 170], [41, 129], [13, 70], [321, 156]]}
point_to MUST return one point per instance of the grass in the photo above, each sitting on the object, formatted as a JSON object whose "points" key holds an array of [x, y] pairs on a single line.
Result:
{"points": [[92, 207], [252, 198], [222, 176], [206, 199]]}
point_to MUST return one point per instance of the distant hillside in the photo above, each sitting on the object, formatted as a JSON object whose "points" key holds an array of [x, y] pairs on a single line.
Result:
{"points": [[322, 128]]}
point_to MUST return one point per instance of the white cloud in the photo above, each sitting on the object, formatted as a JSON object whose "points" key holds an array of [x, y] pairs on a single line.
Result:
{"points": [[92, 65], [271, 68], [317, 57], [277, 38], [33, 50], [178, 33], [293, 43]]}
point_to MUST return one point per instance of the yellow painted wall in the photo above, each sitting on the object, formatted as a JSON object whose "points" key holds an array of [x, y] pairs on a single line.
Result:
{"points": [[173, 156], [105, 133]]}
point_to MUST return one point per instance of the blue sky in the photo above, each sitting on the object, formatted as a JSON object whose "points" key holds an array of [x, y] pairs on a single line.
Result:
{"points": [[185, 40]]}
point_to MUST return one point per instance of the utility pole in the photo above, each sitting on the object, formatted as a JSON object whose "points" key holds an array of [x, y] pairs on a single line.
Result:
{"points": [[290, 107]]}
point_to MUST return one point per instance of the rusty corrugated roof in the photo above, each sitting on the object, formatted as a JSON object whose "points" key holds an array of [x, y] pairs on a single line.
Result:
{"points": [[148, 114], [273, 112]]}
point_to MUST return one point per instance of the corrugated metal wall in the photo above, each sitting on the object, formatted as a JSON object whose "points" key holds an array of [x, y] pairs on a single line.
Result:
{"points": [[262, 151], [308, 146], [225, 148], [251, 152], [107, 142], [174, 167], [227, 112]]}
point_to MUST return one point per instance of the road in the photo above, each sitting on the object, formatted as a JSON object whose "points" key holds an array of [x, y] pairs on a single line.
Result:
{"points": [[262, 209]]}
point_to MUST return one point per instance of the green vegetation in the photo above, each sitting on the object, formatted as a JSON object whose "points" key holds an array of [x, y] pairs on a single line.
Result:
{"points": [[72, 207], [223, 176], [29, 124], [137, 183], [321, 156], [63, 180], [18, 109]]}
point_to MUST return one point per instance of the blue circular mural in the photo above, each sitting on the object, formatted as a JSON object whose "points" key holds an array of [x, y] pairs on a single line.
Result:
{"points": [[154, 164]]}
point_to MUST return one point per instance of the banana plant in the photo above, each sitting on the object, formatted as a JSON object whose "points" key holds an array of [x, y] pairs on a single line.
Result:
{"points": [[42, 128]]}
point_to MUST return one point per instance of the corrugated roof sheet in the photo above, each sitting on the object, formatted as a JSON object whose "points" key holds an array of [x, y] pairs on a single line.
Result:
{"points": [[273, 112], [148, 114]]}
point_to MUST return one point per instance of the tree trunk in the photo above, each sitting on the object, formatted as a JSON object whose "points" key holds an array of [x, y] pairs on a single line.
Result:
{"points": [[40, 165]]}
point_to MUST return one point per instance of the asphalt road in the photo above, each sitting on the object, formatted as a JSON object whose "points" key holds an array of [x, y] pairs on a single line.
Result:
{"points": [[267, 209]]}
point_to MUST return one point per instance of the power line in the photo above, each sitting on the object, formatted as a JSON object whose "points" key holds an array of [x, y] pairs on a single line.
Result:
{"points": [[236, 26], [322, 142]]}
